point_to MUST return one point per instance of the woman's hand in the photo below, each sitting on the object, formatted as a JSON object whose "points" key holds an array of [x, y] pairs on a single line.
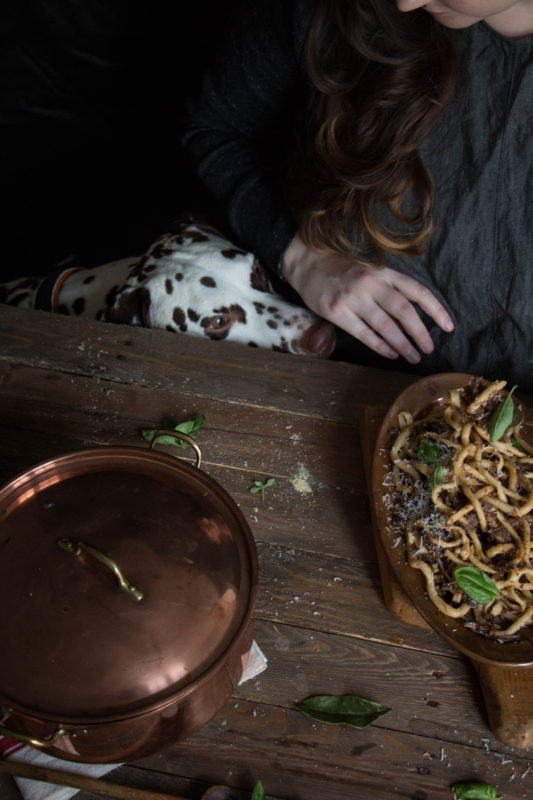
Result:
{"points": [[373, 305]]}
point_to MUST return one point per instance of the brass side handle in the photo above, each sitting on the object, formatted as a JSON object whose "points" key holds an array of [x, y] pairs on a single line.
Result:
{"points": [[179, 435], [22, 737], [78, 548]]}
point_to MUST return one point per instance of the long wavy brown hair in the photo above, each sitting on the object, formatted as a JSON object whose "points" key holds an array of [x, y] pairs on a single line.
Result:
{"points": [[381, 79]]}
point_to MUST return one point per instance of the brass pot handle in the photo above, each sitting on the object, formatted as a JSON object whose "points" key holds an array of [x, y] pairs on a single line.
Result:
{"points": [[179, 435], [22, 737], [77, 548]]}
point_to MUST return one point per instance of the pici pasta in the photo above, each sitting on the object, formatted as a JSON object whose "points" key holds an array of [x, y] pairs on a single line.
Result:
{"points": [[463, 497]]}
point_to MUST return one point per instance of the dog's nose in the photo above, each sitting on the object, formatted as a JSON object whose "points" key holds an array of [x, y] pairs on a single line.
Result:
{"points": [[318, 340]]}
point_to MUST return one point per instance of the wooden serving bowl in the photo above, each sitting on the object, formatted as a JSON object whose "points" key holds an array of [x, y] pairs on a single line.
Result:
{"points": [[505, 670]]}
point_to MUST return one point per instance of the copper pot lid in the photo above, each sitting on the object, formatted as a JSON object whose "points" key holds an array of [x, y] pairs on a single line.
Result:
{"points": [[75, 644]]}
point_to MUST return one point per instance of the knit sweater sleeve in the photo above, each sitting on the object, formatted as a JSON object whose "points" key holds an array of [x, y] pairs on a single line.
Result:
{"points": [[242, 126]]}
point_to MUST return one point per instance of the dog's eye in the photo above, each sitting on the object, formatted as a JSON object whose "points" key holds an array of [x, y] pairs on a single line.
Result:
{"points": [[218, 325]]}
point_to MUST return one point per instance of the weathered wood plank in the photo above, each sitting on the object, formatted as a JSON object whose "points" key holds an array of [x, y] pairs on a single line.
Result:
{"points": [[335, 595], [300, 759], [430, 694], [161, 359]]}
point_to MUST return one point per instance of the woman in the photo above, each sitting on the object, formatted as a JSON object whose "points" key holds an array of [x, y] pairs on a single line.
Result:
{"points": [[341, 135]]}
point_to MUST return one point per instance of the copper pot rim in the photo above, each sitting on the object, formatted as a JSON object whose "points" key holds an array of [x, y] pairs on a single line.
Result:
{"points": [[106, 455], [173, 699]]}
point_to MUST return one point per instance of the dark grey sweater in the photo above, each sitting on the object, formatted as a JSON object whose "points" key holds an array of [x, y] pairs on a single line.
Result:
{"points": [[243, 128]]}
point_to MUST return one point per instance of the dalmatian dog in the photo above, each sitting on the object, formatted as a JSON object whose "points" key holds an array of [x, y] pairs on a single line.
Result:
{"points": [[192, 280]]}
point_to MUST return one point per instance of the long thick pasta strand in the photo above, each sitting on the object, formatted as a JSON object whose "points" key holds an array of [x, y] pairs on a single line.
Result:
{"points": [[469, 504]]}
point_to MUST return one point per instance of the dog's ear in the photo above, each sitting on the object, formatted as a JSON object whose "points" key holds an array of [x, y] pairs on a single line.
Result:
{"points": [[130, 307]]}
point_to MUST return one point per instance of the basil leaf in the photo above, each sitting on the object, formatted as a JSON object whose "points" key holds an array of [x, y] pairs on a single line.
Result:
{"points": [[189, 427], [342, 710], [476, 584], [502, 417], [258, 792], [436, 477], [517, 444], [475, 791], [428, 451]]}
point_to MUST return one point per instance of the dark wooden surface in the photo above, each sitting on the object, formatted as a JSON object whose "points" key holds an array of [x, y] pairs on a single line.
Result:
{"points": [[320, 617]]}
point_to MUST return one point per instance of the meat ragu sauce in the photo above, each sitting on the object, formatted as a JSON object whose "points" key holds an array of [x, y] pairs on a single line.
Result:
{"points": [[460, 494]]}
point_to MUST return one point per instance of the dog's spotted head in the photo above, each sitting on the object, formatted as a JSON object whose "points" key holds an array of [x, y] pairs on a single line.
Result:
{"points": [[194, 281]]}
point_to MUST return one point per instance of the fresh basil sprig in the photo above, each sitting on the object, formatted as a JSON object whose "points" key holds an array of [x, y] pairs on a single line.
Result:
{"points": [[475, 791], [342, 710], [189, 427], [502, 417], [476, 584], [428, 451], [260, 487], [258, 792]]}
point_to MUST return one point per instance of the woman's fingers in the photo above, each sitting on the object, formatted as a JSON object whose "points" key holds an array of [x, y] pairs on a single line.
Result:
{"points": [[376, 328], [376, 306], [422, 296]]}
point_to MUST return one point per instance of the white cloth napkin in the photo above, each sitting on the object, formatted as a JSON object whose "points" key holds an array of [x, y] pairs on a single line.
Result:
{"points": [[254, 662]]}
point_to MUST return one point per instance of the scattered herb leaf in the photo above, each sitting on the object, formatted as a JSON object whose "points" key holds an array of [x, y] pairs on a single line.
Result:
{"points": [[502, 417], [428, 451], [189, 427], [436, 477], [342, 710], [258, 792], [517, 444], [260, 487], [476, 584], [475, 791]]}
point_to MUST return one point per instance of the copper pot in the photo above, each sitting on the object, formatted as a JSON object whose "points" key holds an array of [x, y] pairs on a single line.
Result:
{"points": [[127, 584]]}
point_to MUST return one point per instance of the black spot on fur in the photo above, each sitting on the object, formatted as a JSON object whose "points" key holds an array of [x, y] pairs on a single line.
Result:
{"points": [[168, 286], [207, 281], [283, 347], [78, 306], [111, 296], [89, 279], [259, 307], [179, 318], [232, 252], [258, 277], [137, 270], [193, 315], [272, 324], [273, 309], [160, 249], [179, 276], [240, 313], [196, 236], [131, 308], [252, 344]]}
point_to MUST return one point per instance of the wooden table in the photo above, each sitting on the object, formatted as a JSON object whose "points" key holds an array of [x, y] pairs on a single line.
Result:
{"points": [[67, 383]]}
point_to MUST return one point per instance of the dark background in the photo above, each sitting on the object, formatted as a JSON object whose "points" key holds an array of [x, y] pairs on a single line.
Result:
{"points": [[91, 101]]}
